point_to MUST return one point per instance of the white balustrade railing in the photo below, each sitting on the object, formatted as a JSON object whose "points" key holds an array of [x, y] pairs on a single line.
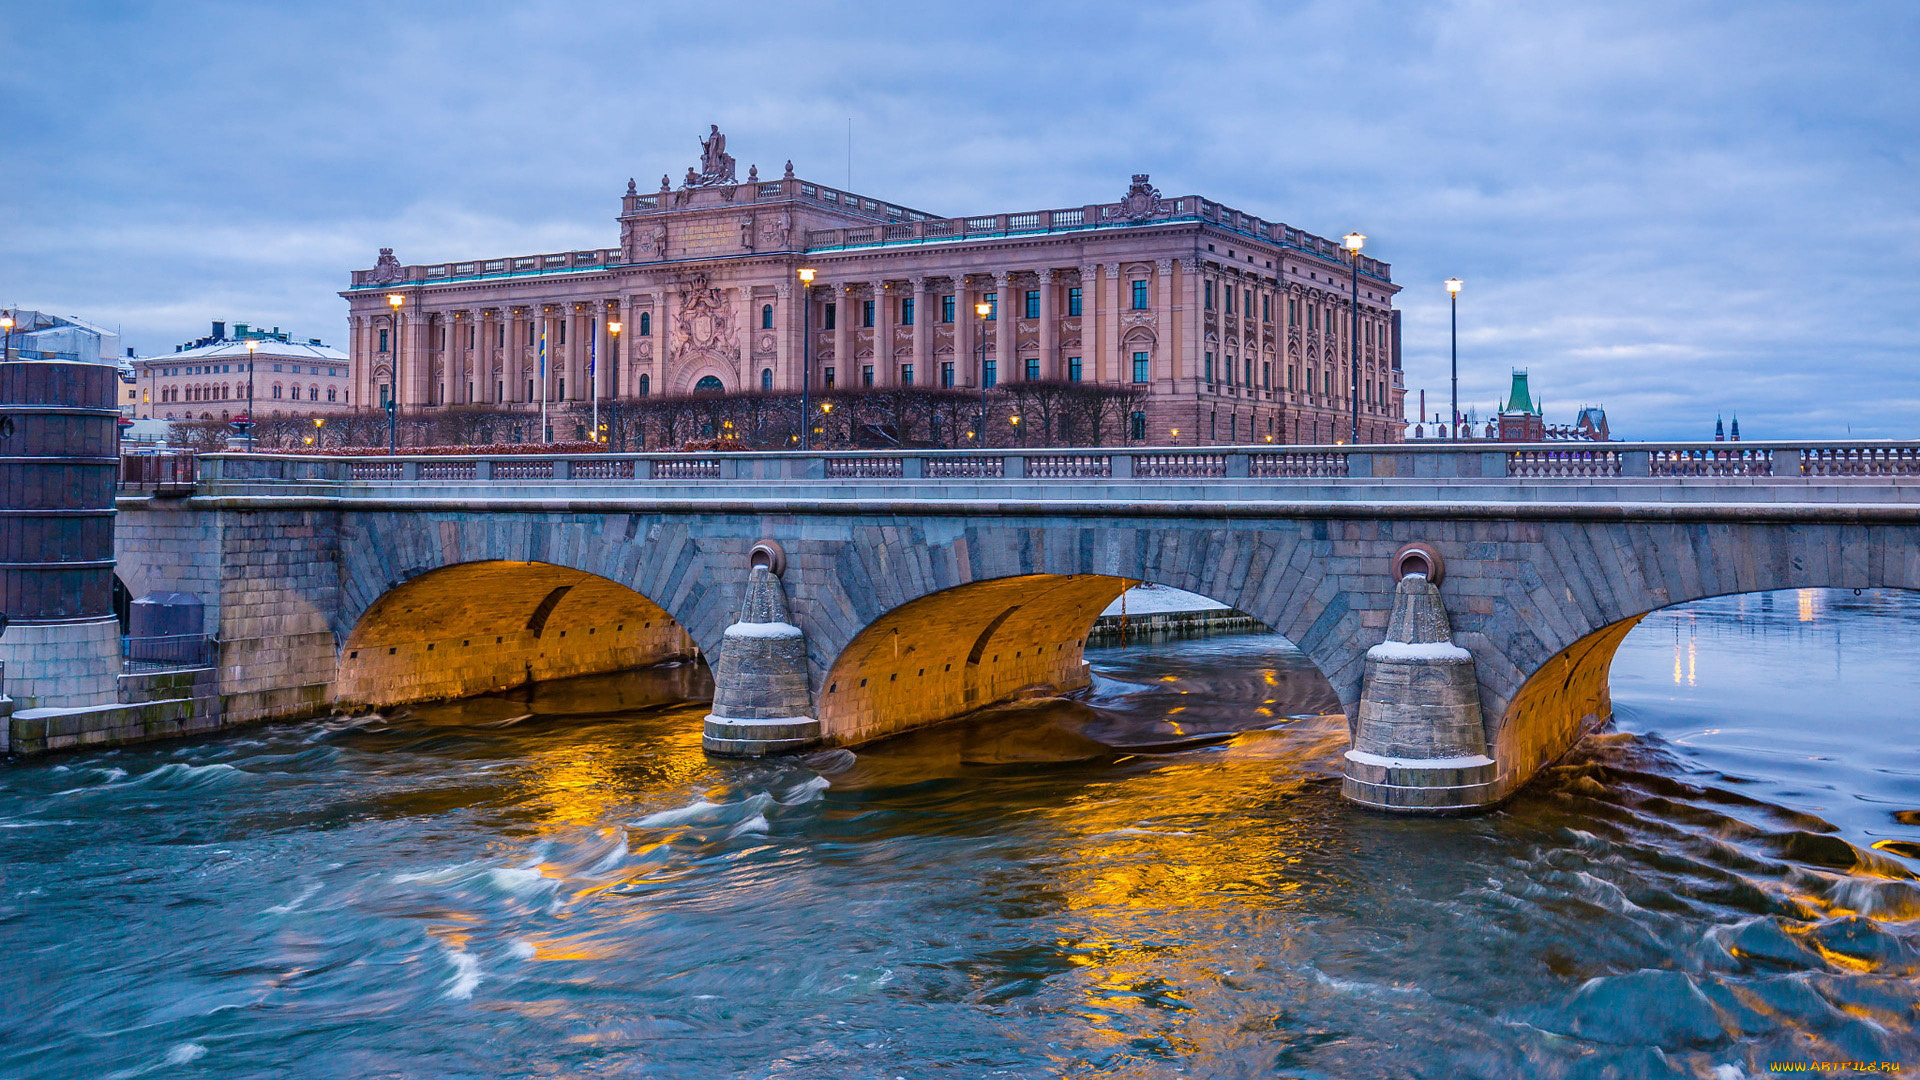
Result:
{"points": [[1564, 463], [1179, 466], [1307, 464], [1069, 467], [863, 468]]}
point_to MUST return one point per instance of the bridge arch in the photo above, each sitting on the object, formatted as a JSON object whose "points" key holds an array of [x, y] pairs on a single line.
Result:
{"points": [[476, 627], [1547, 685]]}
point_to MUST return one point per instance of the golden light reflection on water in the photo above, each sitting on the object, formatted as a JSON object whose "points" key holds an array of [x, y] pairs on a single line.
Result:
{"points": [[1137, 857]]}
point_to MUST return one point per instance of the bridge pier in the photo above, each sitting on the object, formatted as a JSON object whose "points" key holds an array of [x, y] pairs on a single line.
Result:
{"points": [[761, 704], [1418, 744]]}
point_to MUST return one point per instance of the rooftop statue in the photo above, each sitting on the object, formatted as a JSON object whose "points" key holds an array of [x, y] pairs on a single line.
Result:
{"points": [[716, 165]]}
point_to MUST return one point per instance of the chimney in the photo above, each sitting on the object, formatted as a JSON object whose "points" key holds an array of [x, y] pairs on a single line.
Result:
{"points": [[219, 331]]}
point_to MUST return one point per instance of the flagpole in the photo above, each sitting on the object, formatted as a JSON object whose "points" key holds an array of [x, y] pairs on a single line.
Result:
{"points": [[593, 376], [546, 433]]}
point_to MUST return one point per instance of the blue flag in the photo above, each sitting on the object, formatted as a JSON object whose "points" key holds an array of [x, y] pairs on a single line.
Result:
{"points": [[543, 352]]}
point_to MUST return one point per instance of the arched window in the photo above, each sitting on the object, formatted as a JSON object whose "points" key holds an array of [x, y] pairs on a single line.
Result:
{"points": [[766, 316], [646, 384], [276, 391], [766, 378], [646, 323], [313, 393], [330, 393], [709, 384]]}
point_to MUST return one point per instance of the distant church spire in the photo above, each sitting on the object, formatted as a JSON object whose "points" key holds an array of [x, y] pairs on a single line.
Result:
{"points": [[1719, 430], [1736, 428]]}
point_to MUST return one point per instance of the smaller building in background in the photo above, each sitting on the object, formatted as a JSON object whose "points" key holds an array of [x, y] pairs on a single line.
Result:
{"points": [[1520, 418], [206, 379]]}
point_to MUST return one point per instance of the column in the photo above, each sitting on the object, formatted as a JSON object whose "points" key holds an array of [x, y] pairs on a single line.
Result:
{"points": [[511, 356], [662, 336], [1191, 337], [1006, 319], [1049, 329], [883, 362], [362, 361], [846, 372], [1091, 355], [449, 366], [1167, 357], [966, 347], [418, 360], [786, 373], [1116, 326], [923, 316], [483, 377]]}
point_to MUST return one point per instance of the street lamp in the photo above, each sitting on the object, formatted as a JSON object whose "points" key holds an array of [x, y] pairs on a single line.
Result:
{"points": [[613, 366], [1353, 241], [806, 354], [982, 309], [252, 347], [6, 324], [1453, 303], [394, 300], [318, 423]]}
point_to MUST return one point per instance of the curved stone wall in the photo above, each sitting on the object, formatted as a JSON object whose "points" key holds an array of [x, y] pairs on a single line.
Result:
{"points": [[478, 627], [961, 649]]}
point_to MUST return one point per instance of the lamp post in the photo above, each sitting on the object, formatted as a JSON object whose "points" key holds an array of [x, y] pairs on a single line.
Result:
{"points": [[6, 324], [394, 300], [613, 399], [1453, 304], [981, 309], [252, 347], [806, 355], [318, 423], [1353, 241]]}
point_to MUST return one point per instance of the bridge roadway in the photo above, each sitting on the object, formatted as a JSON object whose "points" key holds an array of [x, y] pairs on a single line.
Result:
{"points": [[929, 584]]}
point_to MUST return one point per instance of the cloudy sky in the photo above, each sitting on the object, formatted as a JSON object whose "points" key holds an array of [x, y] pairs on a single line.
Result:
{"points": [[1671, 209]]}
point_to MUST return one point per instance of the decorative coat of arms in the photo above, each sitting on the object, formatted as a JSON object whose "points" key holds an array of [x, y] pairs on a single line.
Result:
{"points": [[1142, 200], [387, 270], [704, 329]]}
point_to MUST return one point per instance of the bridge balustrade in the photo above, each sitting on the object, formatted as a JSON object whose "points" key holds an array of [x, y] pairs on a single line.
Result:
{"points": [[1070, 466], [1179, 466], [1309, 464], [184, 472], [883, 468]]}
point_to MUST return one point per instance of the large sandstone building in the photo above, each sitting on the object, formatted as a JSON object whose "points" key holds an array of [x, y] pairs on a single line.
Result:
{"points": [[1237, 327]]}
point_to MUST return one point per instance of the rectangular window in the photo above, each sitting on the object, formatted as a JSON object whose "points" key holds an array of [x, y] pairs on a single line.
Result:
{"points": [[827, 373], [946, 371], [1248, 308], [866, 313], [1073, 301], [1266, 309], [1313, 318], [826, 321], [1141, 373], [866, 375], [1249, 369], [1293, 313], [500, 336], [991, 375], [1140, 296], [1073, 369], [1229, 292], [993, 307], [906, 311], [563, 333], [906, 372], [1033, 369], [1208, 287], [1137, 426], [1266, 376], [946, 309], [1208, 368], [383, 341], [1033, 304]]}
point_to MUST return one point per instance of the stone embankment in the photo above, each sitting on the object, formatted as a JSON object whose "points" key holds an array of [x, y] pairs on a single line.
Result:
{"points": [[1151, 612]]}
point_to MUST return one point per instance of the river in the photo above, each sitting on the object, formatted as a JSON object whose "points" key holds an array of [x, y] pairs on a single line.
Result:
{"points": [[560, 884]]}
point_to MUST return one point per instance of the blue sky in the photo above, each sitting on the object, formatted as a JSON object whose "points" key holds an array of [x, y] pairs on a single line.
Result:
{"points": [[1670, 209]]}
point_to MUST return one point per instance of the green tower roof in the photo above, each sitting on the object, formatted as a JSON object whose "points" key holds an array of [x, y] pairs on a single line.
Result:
{"points": [[1519, 400]]}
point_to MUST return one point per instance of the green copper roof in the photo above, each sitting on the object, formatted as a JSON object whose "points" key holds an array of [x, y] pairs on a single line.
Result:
{"points": [[1518, 399]]}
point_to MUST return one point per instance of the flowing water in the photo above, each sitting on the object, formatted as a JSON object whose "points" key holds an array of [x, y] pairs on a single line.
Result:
{"points": [[562, 884]]}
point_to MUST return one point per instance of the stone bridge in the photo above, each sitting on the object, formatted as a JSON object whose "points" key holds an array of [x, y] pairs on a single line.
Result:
{"points": [[929, 584]]}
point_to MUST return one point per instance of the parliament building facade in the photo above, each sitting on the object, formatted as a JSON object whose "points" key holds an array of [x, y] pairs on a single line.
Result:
{"points": [[1237, 328]]}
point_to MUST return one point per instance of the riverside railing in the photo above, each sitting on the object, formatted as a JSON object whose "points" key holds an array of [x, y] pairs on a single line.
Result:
{"points": [[1627, 463]]}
